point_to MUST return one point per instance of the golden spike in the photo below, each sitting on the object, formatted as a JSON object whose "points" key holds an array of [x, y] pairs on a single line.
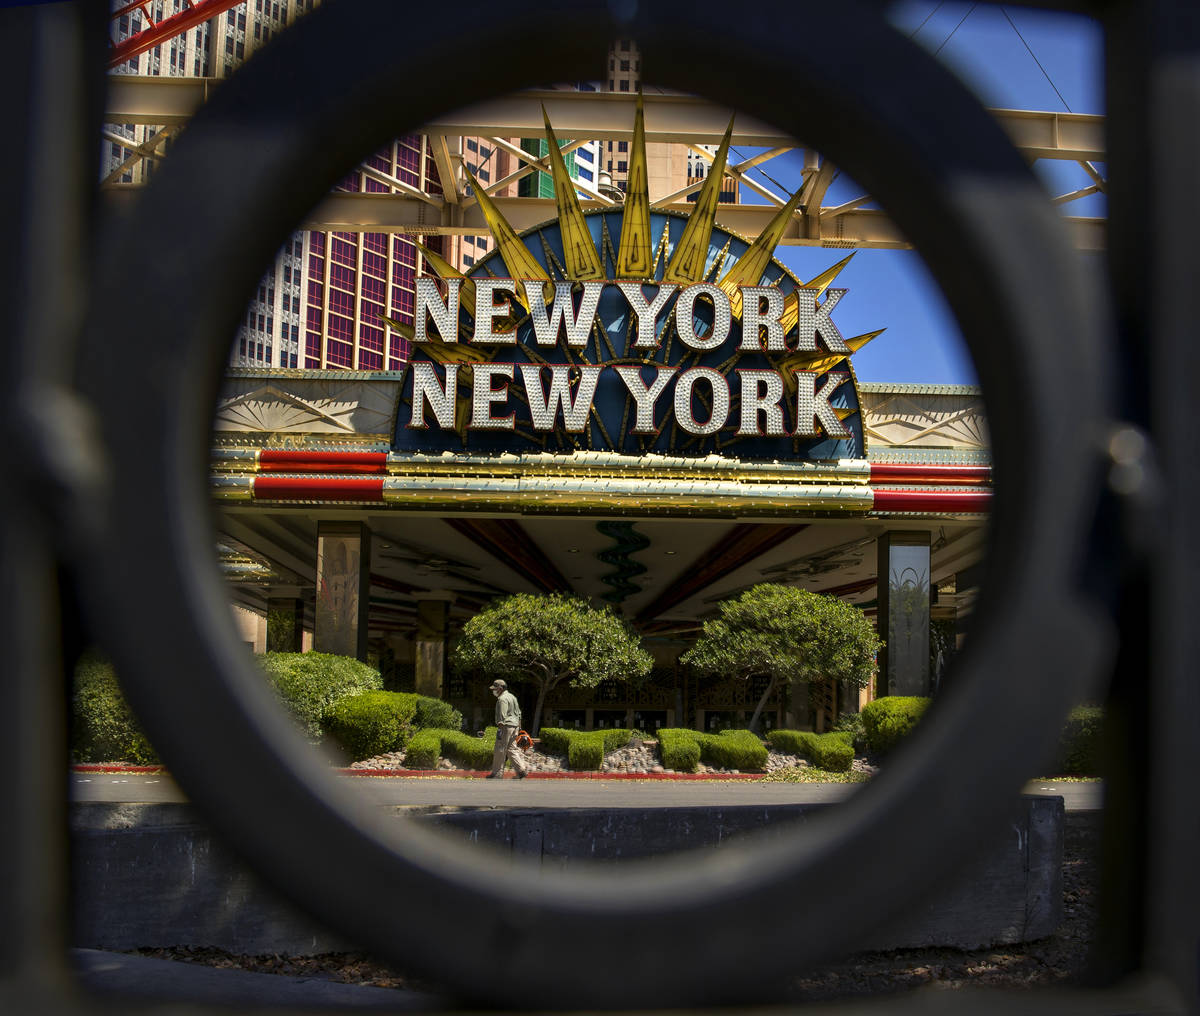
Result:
{"points": [[691, 253], [445, 270], [748, 269], [518, 259], [820, 362], [791, 305], [580, 260], [634, 254]]}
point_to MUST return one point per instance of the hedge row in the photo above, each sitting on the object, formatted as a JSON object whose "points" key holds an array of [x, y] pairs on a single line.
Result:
{"points": [[888, 720], [683, 749], [426, 746], [376, 722], [103, 727], [678, 749], [585, 749], [833, 752], [309, 684], [1080, 744]]}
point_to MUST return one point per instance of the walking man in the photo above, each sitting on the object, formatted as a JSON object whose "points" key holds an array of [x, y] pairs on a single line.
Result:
{"points": [[508, 722]]}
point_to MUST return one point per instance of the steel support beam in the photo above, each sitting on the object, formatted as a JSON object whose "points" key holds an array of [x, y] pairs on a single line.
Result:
{"points": [[866, 228], [680, 119]]}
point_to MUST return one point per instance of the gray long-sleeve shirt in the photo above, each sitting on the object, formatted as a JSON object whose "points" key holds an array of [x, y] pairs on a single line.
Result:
{"points": [[508, 713]]}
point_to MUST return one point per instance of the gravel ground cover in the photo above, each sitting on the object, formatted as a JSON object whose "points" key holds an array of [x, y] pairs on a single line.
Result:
{"points": [[1056, 960], [638, 757]]}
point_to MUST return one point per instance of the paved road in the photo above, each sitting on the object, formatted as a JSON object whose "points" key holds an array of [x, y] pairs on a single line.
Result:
{"points": [[535, 793]]}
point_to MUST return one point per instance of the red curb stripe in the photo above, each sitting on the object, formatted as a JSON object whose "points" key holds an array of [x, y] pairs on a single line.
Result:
{"points": [[93, 767], [479, 775]]}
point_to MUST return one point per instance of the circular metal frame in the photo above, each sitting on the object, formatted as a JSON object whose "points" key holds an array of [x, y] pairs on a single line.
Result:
{"points": [[267, 146]]}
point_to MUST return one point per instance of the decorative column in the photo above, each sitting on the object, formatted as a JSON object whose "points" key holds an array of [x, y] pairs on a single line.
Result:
{"points": [[429, 653], [343, 588], [903, 582], [285, 624]]}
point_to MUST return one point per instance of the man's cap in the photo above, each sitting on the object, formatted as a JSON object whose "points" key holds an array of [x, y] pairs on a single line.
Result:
{"points": [[498, 684]]}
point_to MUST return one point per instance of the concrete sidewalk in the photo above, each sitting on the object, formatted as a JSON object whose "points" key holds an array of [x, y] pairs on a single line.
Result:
{"points": [[447, 791]]}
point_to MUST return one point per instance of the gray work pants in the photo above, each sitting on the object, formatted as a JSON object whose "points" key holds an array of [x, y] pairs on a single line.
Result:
{"points": [[505, 747]]}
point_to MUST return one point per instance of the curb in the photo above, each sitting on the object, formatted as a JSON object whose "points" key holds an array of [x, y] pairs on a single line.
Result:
{"points": [[479, 774], [91, 767]]}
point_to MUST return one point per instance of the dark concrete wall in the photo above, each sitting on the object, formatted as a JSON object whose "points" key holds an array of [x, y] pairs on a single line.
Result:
{"points": [[153, 875]]}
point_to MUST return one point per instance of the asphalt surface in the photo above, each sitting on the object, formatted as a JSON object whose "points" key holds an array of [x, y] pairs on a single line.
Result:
{"points": [[400, 791]]}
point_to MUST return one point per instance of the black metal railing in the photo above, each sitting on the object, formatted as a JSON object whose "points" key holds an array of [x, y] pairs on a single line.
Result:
{"points": [[1091, 564]]}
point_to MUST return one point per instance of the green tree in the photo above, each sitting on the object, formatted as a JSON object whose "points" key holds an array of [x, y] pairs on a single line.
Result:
{"points": [[786, 634], [551, 640]]}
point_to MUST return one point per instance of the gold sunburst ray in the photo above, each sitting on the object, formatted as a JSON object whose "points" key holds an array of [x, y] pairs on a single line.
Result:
{"points": [[581, 262], [748, 269], [819, 362], [791, 305], [691, 253], [518, 259], [634, 253], [445, 270]]}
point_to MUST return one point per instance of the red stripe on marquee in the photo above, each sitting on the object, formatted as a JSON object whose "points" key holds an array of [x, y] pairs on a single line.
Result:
{"points": [[941, 501], [883, 472], [276, 461], [318, 488]]}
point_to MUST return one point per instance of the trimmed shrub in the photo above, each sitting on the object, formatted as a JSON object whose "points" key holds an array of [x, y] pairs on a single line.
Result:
{"points": [[888, 720], [1080, 743], [469, 752], [556, 740], [679, 749], [104, 728], [852, 723], [733, 749], [371, 723], [586, 750], [435, 714], [793, 742], [832, 752], [310, 683], [426, 746]]}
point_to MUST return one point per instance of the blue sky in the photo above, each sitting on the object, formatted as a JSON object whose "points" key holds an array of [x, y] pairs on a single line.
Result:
{"points": [[892, 289]]}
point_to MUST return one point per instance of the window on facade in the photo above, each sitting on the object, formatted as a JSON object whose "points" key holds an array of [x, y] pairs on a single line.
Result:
{"points": [[583, 154], [585, 174], [622, 166], [624, 45], [624, 65], [624, 86], [610, 84], [240, 51], [622, 146], [468, 260], [485, 176], [610, 165]]}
